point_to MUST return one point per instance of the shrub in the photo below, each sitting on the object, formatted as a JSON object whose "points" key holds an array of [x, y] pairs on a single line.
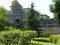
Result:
{"points": [[46, 33], [32, 33], [35, 44], [16, 37], [54, 38], [58, 42], [42, 39]]}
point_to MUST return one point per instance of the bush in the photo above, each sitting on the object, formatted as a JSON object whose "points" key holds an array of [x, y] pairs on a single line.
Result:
{"points": [[35, 44], [32, 33], [16, 37], [58, 42], [46, 33], [54, 38], [42, 39]]}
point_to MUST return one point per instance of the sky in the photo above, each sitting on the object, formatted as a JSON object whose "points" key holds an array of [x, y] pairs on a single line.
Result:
{"points": [[40, 5]]}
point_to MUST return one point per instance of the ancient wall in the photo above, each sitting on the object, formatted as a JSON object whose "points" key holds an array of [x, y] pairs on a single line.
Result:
{"points": [[52, 29]]}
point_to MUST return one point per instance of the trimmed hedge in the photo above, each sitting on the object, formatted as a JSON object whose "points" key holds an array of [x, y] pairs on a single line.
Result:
{"points": [[35, 44], [42, 39], [54, 38], [16, 37], [58, 42]]}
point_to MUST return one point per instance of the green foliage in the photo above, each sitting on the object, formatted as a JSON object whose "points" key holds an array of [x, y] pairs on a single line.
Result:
{"points": [[3, 18], [35, 44], [15, 3], [3, 13], [32, 33], [33, 21], [16, 37], [58, 42], [48, 33], [42, 39], [52, 8], [43, 33], [55, 8], [55, 16], [57, 5], [54, 38], [42, 43]]}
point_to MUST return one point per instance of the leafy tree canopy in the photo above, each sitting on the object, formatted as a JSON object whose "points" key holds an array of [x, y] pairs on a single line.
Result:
{"points": [[3, 18], [55, 8], [33, 21], [15, 3]]}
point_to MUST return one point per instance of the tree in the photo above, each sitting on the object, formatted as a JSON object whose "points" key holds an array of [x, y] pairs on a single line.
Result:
{"points": [[15, 4], [33, 21], [3, 18], [55, 8]]}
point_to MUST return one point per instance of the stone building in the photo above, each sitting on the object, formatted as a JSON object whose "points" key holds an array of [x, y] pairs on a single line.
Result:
{"points": [[17, 18], [18, 14]]}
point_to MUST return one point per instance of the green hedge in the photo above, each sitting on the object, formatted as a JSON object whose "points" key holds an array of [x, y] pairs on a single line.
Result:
{"points": [[16, 37], [58, 42], [42, 39], [35, 44], [54, 38]]}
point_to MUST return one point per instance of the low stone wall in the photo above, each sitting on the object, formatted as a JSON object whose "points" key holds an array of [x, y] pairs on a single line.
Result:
{"points": [[52, 29]]}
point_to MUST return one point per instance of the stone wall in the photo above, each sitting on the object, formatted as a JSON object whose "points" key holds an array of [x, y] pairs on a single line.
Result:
{"points": [[52, 29]]}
